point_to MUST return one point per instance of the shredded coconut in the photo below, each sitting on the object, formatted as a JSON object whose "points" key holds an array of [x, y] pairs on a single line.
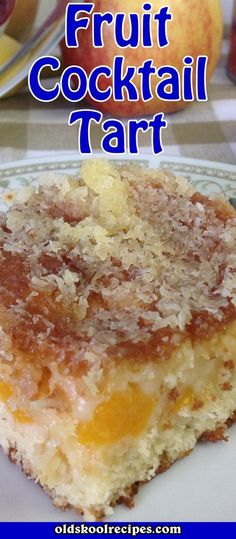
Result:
{"points": [[115, 256]]}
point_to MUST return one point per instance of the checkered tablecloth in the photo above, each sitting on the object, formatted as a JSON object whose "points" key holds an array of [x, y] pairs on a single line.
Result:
{"points": [[203, 130]]}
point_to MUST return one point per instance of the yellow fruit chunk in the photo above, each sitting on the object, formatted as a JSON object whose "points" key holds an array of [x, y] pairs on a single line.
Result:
{"points": [[126, 413], [186, 400], [5, 391], [9, 47], [21, 417]]}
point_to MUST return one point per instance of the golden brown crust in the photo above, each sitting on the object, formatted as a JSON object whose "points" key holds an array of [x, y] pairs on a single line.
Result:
{"points": [[217, 435], [226, 386], [231, 420], [127, 499], [119, 263], [229, 365]]}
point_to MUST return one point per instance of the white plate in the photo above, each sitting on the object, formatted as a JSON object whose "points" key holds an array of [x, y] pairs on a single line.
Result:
{"points": [[201, 487]]}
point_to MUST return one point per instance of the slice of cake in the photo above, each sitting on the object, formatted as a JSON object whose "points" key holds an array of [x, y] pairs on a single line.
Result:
{"points": [[118, 330]]}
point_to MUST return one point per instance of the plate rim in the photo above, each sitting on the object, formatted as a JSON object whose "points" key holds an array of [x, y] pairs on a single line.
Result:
{"points": [[74, 157]]}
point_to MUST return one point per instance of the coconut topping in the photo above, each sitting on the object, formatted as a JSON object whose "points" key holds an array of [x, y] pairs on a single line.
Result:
{"points": [[121, 262]]}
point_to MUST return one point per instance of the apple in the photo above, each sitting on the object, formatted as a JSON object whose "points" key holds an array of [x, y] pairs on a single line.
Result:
{"points": [[196, 30]]}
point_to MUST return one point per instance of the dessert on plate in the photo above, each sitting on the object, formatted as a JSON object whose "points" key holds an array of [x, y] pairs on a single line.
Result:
{"points": [[118, 330]]}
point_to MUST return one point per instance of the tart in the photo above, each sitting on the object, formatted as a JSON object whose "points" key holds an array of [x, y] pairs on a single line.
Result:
{"points": [[118, 330]]}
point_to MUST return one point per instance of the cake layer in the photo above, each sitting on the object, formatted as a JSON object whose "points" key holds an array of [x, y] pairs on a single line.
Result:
{"points": [[135, 421], [118, 329]]}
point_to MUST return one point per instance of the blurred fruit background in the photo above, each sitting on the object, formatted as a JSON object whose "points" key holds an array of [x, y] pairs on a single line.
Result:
{"points": [[205, 130], [46, 6], [205, 39], [190, 34], [32, 12], [23, 18]]}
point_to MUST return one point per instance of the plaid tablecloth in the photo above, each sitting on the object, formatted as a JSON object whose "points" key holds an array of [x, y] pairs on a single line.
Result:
{"points": [[203, 130]]}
